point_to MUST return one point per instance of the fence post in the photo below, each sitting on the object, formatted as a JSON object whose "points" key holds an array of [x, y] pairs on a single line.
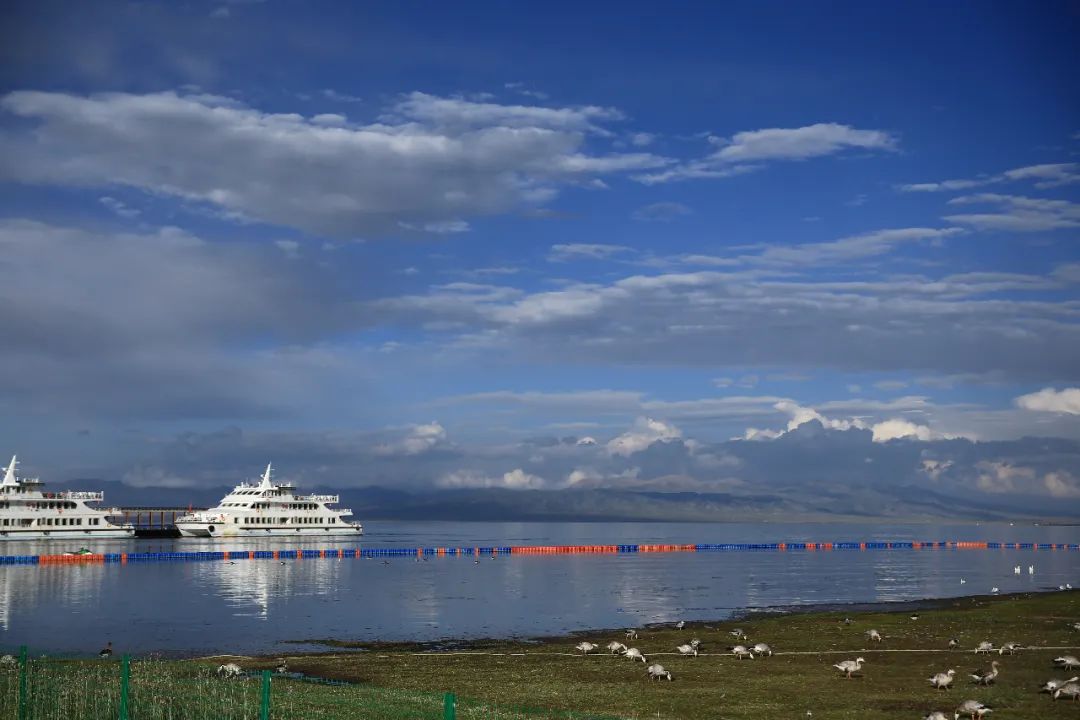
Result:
{"points": [[264, 706], [22, 682], [449, 706], [125, 677]]}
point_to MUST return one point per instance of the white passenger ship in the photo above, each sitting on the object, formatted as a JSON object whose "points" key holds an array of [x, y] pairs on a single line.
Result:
{"points": [[29, 513], [269, 509]]}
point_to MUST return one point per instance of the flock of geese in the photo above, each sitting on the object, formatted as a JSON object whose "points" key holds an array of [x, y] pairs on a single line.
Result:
{"points": [[1068, 689]]}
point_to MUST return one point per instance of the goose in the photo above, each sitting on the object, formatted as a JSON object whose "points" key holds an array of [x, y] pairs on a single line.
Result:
{"points": [[953, 642], [1031, 569], [657, 671], [631, 634], [680, 625], [741, 651], [585, 647], [1067, 661], [873, 636], [943, 681], [994, 590], [616, 648], [229, 670], [1052, 685], [847, 621], [106, 652], [282, 667], [914, 617], [1016, 570], [1010, 647], [986, 677], [972, 708], [695, 643], [635, 654], [936, 715], [985, 647], [737, 633], [962, 581], [1069, 690], [849, 666], [762, 649], [1075, 626], [687, 650]]}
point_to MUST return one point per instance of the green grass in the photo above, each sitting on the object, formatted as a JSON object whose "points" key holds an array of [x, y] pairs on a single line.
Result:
{"points": [[495, 680]]}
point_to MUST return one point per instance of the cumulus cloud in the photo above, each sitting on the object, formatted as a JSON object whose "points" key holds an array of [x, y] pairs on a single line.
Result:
{"points": [[1065, 401], [749, 150], [516, 479], [1002, 477], [644, 433], [881, 432], [1061, 484], [420, 439], [429, 162]]}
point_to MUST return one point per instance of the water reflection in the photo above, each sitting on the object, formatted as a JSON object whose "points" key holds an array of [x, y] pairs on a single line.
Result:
{"points": [[248, 605]]}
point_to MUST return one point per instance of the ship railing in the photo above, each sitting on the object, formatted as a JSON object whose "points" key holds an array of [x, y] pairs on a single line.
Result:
{"points": [[343, 511], [80, 495], [319, 498]]}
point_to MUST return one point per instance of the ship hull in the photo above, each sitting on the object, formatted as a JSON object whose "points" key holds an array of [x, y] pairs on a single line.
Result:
{"points": [[217, 530], [72, 534]]}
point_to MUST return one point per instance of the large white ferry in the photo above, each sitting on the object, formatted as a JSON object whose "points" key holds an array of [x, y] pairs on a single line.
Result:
{"points": [[29, 513], [266, 509]]}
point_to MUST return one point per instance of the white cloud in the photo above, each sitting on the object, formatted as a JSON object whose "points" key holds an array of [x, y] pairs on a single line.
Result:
{"points": [[421, 439], [429, 163], [516, 479], [1061, 484], [748, 150], [1045, 176], [119, 207], [895, 429], [1017, 213], [1065, 401], [593, 251], [641, 139], [1002, 477], [644, 433]]}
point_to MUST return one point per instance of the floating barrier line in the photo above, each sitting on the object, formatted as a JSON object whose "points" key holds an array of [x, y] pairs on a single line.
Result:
{"points": [[423, 552]]}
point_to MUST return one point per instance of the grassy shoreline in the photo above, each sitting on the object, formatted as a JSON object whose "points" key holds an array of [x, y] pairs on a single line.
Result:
{"points": [[547, 672]]}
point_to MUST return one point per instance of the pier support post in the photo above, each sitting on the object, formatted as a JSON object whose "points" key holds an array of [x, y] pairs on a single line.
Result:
{"points": [[449, 706], [264, 705], [22, 683], [125, 682]]}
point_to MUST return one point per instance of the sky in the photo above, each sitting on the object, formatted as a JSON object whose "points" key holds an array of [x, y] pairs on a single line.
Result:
{"points": [[543, 247]]}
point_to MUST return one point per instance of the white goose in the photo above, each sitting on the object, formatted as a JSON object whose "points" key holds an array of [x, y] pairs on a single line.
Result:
{"points": [[943, 681], [762, 649], [986, 677], [229, 670], [953, 642], [873, 636], [985, 647], [616, 648], [741, 651], [586, 647], [849, 666], [635, 654], [1069, 690], [1067, 661], [936, 715], [657, 671], [972, 708], [1052, 685], [737, 633], [631, 634], [687, 650], [680, 625], [1010, 648]]}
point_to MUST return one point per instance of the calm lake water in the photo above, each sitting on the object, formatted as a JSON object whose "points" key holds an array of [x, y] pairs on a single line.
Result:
{"points": [[253, 606]]}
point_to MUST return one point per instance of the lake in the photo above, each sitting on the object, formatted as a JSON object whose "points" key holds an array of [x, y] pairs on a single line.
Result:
{"points": [[188, 608]]}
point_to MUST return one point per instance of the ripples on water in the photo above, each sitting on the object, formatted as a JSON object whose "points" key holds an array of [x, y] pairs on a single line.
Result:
{"points": [[202, 607]]}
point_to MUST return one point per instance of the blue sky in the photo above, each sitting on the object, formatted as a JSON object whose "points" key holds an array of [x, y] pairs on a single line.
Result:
{"points": [[404, 230]]}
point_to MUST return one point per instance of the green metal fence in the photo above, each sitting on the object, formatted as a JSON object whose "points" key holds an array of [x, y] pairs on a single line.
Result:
{"points": [[152, 689]]}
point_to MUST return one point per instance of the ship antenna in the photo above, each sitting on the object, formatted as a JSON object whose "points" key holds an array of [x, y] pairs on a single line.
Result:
{"points": [[9, 475]]}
